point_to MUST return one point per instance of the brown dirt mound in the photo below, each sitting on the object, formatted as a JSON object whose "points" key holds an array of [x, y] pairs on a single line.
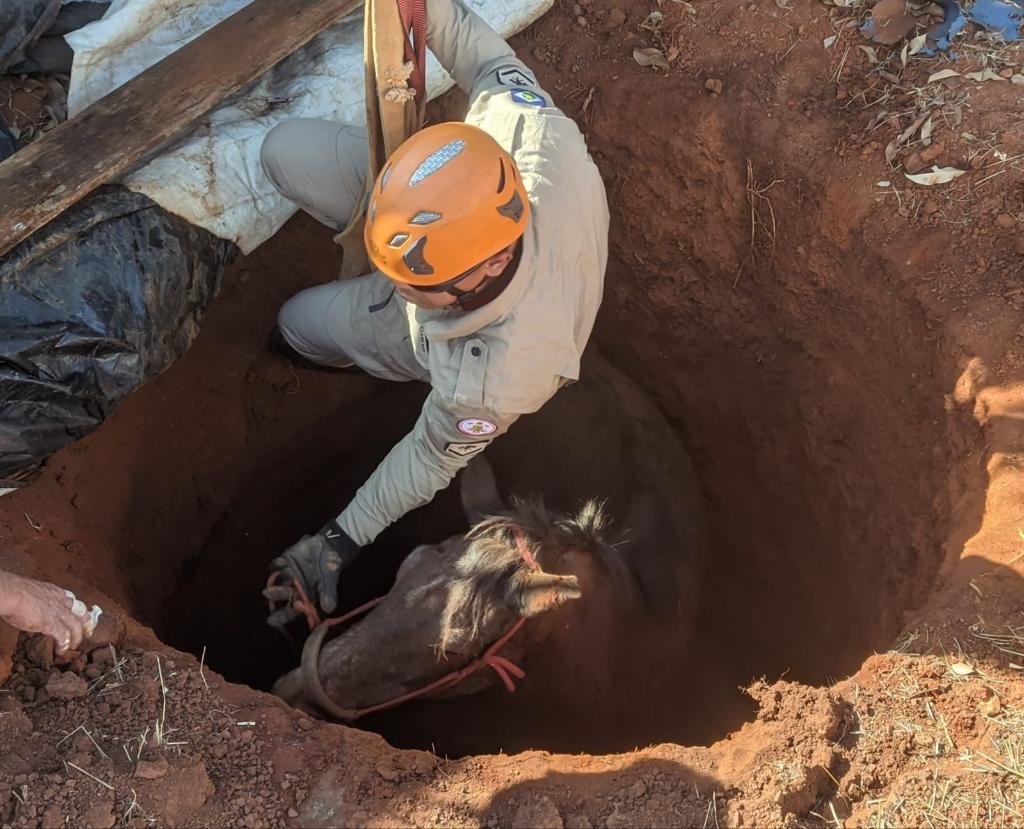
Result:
{"points": [[842, 360]]}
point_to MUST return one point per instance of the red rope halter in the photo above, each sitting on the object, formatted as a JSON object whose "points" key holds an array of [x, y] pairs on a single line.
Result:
{"points": [[506, 670]]}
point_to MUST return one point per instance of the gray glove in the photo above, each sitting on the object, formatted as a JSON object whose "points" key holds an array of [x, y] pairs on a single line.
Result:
{"points": [[314, 562]]}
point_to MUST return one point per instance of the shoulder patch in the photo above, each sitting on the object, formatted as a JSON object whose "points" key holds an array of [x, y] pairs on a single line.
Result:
{"points": [[465, 450], [477, 427], [525, 96], [510, 76]]}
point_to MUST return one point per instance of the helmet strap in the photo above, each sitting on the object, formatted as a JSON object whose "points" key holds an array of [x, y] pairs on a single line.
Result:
{"points": [[490, 287]]}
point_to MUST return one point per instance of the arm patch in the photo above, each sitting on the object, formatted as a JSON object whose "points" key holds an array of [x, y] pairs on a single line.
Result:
{"points": [[465, 450], [511, 76], [525, 96]]}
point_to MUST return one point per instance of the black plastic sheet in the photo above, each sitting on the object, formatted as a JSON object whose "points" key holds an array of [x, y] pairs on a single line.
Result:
{"points": [[103, 298], [22, 23], [8, 144], [49, 53]]}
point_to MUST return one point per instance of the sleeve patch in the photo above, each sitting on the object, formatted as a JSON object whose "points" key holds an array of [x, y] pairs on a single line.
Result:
{"points": [[510, 76], [525, 96], [477, 427], [465, 450]]}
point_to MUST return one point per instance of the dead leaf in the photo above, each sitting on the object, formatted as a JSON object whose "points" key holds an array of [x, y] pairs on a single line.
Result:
{"points": [[959, 668], [910, 131], [1017, 79], [984, 75], [918, 43], [870, 52], [829, 42], [926, 132], [651, 57], [990, 707], [783, 4], [673, 53], [942, 75], [688, 7], [938, 175]]}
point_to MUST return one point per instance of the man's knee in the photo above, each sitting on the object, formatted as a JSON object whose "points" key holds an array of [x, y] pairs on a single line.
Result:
{"points": [[303, 324], [319, 165], [279, 146], [297, 326]]}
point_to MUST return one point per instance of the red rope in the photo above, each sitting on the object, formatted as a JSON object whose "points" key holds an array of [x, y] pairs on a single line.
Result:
{"points": [[508, 672], [359, 611], [502, 667], [414, 21]]}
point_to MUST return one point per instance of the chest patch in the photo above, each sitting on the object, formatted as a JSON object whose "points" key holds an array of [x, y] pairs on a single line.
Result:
{"points": [[510, 76], [477, 427], [525, 96]]}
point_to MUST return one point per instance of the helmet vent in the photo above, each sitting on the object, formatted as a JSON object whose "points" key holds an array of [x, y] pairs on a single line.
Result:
{"points": [[415, 260], [436, 160], [384, 178], [425, 217], [398, 240], [501, 175], [513, 208]]}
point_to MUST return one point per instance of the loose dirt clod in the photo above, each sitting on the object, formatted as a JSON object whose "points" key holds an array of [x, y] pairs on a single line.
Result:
{"points": [[151, 769], [39, 650], [66, 685]]}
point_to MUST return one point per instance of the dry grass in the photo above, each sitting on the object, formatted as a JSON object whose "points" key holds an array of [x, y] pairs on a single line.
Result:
{"points": [[711, 818], [1008, 640], [134, 806], [979, 782], [763, 225], [761, 205]]}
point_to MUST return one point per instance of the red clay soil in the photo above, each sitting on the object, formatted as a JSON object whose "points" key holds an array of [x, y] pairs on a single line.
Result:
{"points": [[842, 359]]}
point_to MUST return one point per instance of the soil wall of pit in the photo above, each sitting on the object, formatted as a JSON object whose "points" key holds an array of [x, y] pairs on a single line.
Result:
{"points": [[823, 459]]}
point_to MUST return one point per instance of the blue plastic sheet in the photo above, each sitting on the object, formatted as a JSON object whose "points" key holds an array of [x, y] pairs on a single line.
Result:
{"points": [[1003, 17], [944, 32]]}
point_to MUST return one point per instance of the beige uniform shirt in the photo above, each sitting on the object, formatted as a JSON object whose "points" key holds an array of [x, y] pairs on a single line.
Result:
{"points": [[491, 365]]}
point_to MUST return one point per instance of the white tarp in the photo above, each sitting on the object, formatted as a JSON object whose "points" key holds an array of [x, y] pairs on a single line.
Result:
{"points": [[212, 177]]}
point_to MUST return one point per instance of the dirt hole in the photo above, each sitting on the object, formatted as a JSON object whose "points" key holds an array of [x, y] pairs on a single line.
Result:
{"points": [[811, 469]]}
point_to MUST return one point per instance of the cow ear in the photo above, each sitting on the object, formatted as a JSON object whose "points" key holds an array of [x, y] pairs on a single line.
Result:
{"points": [[479, 491], [534, 591]]}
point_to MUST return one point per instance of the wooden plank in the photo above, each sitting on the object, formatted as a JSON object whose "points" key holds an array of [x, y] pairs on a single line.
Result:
{"points": [[113, 134]]}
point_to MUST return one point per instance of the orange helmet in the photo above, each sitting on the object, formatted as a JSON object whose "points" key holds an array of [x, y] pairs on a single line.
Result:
{"points": [[448, 199]]}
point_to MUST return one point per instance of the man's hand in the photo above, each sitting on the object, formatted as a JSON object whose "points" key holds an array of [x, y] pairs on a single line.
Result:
{"points": [[39, 607], [314, 562]]}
